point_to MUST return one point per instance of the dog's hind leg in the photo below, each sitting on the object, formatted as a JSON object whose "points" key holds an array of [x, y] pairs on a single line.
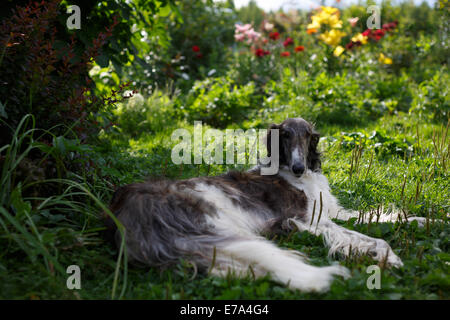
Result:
{"points": [[346, 242], [285, 266]]}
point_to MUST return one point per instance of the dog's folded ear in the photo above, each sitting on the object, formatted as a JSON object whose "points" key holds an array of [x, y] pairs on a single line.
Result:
{"points": [[275, 126], [315, 136], [314, 163]]}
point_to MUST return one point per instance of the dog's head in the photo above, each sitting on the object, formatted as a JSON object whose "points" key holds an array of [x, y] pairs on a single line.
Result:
{"points": [[297, 145]]}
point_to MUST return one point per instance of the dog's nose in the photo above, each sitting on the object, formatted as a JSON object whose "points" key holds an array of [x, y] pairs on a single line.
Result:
{"points": [[298, 168]]}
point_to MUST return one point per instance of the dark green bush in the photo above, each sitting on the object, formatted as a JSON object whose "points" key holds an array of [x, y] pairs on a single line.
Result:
{"points": [[203, 38], [432, 98], [219, 102], [198, 35], [139, 116], [378, 140], [43, 77], [328, 99]]}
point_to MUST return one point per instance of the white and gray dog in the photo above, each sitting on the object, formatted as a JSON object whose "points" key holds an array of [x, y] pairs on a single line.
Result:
{"points": [[217, 222]]}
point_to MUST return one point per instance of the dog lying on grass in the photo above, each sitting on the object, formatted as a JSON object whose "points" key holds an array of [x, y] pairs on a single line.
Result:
{"points": [[217, 222]]}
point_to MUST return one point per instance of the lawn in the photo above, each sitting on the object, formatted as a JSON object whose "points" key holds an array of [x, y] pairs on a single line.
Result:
{"points": [[382, 109]]}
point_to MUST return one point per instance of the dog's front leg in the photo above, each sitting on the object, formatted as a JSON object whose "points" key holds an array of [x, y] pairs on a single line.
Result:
{"points": [[382, 214], [344, 241]]}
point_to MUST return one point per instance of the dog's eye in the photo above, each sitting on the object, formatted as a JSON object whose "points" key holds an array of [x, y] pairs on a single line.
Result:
{"points": [[285, 133]]}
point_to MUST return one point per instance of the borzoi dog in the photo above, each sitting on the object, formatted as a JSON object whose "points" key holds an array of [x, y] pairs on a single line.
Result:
{"points": [[217, 222]]}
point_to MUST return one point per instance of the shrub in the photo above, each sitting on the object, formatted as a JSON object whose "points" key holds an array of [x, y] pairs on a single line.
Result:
{"points": [[196, 46], [219, 102], [378, 140], [393, 87], [432, 99], [327, 99], [140, 116], [202, 38], [42, 77]]}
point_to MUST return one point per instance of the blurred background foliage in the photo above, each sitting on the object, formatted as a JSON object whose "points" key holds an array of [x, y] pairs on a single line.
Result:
{"points": [[83, 111], [146, 45]]}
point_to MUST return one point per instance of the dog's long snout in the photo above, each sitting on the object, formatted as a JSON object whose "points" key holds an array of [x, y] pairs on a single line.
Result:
{"points": [[298, 168]]}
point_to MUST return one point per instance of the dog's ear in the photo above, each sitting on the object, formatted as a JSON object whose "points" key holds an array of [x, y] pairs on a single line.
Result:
{"points": [[269, 137], [314, 163]]}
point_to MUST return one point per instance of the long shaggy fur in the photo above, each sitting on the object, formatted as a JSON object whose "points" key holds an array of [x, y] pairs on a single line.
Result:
{"points": [[218, 222]]}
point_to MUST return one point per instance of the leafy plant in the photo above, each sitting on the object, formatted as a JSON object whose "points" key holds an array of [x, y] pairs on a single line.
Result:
{"points": [[379, 141], [43, 227], [219, 102], [41, 78], [432, 98], [139, 116]]}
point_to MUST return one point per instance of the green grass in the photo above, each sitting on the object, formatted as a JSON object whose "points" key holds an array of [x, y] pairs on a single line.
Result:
{"points": [[384, 139], [379, 178]]}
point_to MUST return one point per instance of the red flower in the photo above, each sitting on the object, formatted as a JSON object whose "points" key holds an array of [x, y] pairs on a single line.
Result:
{"points": [[195, 48], [379, 32], [349, 45], [387, 27], [285, 54], [288, 42], [299, 48], [199, 55], [274, 35], [374, 34], [261, 52], [390, 26], [367, 33]]}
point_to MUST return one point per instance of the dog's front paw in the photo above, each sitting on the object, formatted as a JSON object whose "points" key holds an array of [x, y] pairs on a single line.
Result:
{"points": [[318, 279], [393, 260], [382, 252]]}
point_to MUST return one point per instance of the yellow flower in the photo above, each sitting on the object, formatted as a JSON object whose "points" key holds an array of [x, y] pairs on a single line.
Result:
{"points": [[384, 59], [332, 38], [361, 38], [338, 51], [328, 16], [329, 10], [334, 22], [315, 23]]}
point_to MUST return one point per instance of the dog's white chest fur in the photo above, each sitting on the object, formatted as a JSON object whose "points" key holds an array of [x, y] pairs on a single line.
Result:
{"points": [[314, 184]]}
